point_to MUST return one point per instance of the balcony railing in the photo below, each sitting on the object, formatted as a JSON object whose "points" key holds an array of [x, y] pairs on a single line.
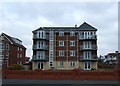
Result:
{"points": [[45, 37], [93, 47], [38, 58], [35, 47], [92, 58], [84, 38]]}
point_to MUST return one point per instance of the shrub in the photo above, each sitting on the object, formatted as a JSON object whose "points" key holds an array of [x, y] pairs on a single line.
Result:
{"points": [[16, 67]]}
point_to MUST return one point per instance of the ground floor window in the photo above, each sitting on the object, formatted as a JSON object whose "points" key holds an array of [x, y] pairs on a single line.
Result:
{"points": [[61, 64], [40, 65], [87, 65]]}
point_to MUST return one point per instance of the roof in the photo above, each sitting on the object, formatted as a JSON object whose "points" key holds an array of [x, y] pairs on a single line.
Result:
{"points": [[10, 39], [84, 26]]}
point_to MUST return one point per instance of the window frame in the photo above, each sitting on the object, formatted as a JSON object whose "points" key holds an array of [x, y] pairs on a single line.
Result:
{"points": [[72, 53], [72, 33], [60, 43], [61, 53], [61, 33], [72, 43]]}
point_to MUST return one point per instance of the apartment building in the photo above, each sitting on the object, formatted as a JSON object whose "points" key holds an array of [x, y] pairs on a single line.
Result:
{"points": [[65, 48], [11, 50]]}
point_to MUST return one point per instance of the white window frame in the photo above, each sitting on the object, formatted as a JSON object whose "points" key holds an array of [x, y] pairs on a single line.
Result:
{"points": [[72, 64], [61, 63], [87, 45], [87, 54], [87, 65], [18, 55], [72, 43], [2, 46], [61, 33], [61, 53], [18, 48], [72, 53], [7, 46], [60, 43], [72, 33]]}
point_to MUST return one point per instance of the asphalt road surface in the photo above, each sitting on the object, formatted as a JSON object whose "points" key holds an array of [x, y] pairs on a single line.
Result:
{"points": [[26, 82]]}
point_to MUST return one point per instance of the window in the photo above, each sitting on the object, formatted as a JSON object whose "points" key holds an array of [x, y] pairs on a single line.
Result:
{"points": [[87, 65], [61, 64], [72, 64], [87, 45], [6, 62], [18, 48], [61, 53], [7, 54], [72, 53], [87, 54], [1, 46], [61, 33], [51, 64], [72, 33], [7, 46], [72, 43], [61, 43], [20, 55], [17, 55]]}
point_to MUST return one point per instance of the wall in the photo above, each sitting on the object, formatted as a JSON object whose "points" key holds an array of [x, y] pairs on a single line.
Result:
{"points": [[63, 74]]}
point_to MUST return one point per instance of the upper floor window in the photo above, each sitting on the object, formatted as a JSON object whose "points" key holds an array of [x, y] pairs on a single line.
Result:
{"points": [[20, 49], [72, 53], [1, 46], [7, 54], [7, 46], [72, 43], [17, 55], [72, 33], [61, 43], [20, 55], [61, 33], [61, 53]]}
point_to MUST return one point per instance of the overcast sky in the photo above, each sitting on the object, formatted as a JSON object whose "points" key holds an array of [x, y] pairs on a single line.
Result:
{"points": [[19, 19]]}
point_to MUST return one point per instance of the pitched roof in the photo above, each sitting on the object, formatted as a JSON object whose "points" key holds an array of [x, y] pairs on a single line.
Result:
{"points": [[11, 40], [86, 26]]}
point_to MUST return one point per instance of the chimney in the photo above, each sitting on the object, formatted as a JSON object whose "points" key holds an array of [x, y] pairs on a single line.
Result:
{"points": [[116, 52], [75, 25]]}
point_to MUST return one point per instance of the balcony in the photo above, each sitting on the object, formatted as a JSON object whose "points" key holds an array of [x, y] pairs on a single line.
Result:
{"points": [[93, 47], [35, 47], [88, 38], [45, 58], [41, 38], [92, 58]]}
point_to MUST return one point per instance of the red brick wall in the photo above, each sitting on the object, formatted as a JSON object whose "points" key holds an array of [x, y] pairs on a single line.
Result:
{"points": [[63, 74]]}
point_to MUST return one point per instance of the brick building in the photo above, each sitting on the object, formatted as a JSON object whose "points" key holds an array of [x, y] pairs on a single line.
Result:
{"points": [[65, 48], [11, 50]]}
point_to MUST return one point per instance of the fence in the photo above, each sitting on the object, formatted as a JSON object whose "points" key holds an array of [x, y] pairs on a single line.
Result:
{"points": [[62, 74]]}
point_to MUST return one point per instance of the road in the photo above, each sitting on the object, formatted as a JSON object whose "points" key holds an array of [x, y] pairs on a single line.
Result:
{"points": [[26, 82]]}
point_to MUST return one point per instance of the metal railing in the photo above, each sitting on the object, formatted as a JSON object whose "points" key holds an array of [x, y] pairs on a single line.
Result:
{"points": [[91, 58], [92, 37], [41, 47], [36, 58], [93, 47]]}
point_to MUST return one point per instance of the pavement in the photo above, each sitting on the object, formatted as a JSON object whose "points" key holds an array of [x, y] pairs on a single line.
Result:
{"points": [[26, 82]]}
